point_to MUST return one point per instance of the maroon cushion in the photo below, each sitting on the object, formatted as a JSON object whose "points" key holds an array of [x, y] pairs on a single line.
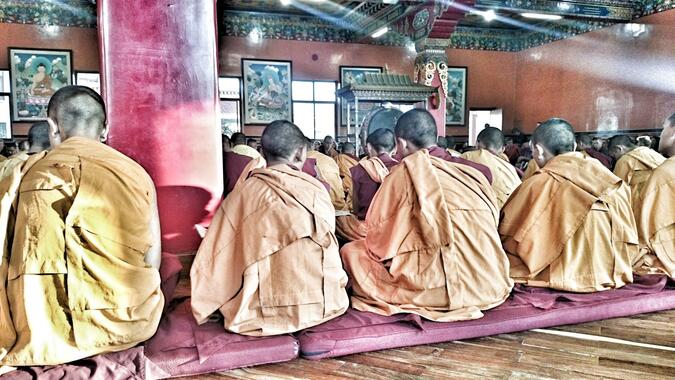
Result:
{"points": [[181, 347], [527, 308]]}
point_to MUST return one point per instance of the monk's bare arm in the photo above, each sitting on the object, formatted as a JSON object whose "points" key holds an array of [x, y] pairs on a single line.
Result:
{"points": [[154, 255]]}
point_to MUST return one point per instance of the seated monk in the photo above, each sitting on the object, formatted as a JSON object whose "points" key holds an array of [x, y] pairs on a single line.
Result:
{"points": [[634, 164], [439, 152], [347, 226], [585, 146], [431, 246], [369, 174], [531, 168], [82, 274], [505, 179], [236, 159], [655, 210], [38, 140], [270, 262], [346, 160], [569, 226]]}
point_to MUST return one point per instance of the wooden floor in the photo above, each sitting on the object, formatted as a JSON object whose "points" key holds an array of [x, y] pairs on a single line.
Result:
{"points": [[640, 347]]}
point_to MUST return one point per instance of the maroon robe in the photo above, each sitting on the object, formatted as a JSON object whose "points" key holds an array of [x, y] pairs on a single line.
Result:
{"points": [[442, 153], [233, 166], [309, 167], [364, 187], [512, 152], [603, 158]]}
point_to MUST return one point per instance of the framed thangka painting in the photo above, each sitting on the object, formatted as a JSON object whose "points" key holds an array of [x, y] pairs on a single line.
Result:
{"points": [[36, 75], [455, 101], [267, 91], [351, 74]]}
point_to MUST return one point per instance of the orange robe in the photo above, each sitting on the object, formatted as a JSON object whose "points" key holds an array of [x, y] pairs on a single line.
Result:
{"points": [[505, 179], [7, 166], [636, 166], [347, 226], [346, 162], [77, 281], [453, 152], [532, 168], [570, 227], [655, 217], [432, 246], [270, 260]]}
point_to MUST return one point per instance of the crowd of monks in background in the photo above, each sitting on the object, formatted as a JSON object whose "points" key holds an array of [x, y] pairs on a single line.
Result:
{"points": [[304, 231]]}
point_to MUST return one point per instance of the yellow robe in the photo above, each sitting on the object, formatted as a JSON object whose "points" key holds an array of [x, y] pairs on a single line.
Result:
{"points": [[636, 166], [570, 227], [7, 166], [347, 226], [77, 282], [532, 168], [246, 150], [505, 179], [431, 246], [655, 217], [270, 260], [345, 162]]}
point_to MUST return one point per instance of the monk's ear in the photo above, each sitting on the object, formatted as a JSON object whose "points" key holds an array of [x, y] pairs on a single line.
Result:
{"points": [[54, 133], [300, 155], [575, 147], [401, 145]]}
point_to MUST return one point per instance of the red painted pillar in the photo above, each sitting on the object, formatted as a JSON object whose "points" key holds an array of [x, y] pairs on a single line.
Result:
{"points": [[159, 76]]}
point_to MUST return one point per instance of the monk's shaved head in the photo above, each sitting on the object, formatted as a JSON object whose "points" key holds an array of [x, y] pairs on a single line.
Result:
{"points": [[281, 139], [619, 145], [667, 139], [382, 140], [556, 135], [418, 127], [238, 138], [77, 111], [491, 138], [38, 137], [618, 140], [348, 148], [584, 141]]}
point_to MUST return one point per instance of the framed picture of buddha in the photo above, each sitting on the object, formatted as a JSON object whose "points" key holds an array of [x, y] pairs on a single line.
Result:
{"points": [[267, 90], [455, 101], [35, 76]]}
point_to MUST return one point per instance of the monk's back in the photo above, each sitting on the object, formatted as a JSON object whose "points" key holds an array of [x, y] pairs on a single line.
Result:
{"points": [[505, 178], [432, 246], [270, 261], [636, 166], [82, 232], [570, 227]]}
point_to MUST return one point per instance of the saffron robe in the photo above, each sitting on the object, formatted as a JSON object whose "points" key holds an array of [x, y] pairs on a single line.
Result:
{"points": [[453, 152], [432, 246], [655, 217], [367, 177], [7, 166], [78, 233], [246, 150], [347, 226], [346, 162], [270, 260], [636, 166], [532, 168], [505, 179], [570, 227], [441, 153]]}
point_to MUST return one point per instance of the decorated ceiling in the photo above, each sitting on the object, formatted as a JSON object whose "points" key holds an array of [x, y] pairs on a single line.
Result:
{"points": [[467, 24]]}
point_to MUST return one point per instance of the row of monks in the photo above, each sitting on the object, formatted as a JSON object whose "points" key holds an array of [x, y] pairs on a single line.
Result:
{"points": [[423, 231]]}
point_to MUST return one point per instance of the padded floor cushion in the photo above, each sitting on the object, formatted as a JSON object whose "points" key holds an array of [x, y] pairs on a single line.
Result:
{"points": [[181, 347], [527, 308]]}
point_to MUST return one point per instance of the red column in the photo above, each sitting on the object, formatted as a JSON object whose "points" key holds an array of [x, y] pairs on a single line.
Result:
{"points": [[159, 76]]}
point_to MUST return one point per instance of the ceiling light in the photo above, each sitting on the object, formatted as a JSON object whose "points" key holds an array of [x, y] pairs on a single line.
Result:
{"points": [[380, 32], [285, 2], [541, 16], [489, 15], [411, 47]]}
